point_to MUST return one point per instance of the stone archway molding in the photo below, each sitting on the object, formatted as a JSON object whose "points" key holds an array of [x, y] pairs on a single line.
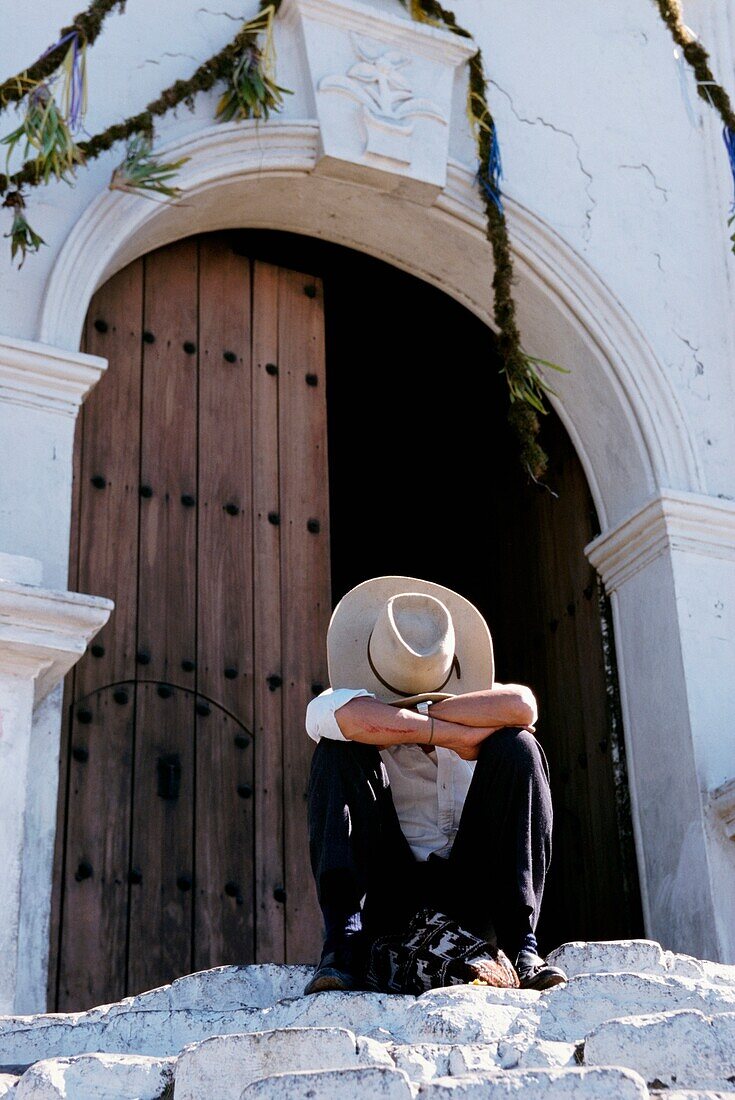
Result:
{"points": [[262, 175], [616, 403]]}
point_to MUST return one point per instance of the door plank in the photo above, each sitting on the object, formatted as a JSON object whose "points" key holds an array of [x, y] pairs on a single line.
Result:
{"points": [[270, 944], [167, 580], [223, 814], [224, 835], [104, 562], [162, 836], [94, 927], [225, 553], [64, 747], [162, 867], [108, 540], [305, 578]]}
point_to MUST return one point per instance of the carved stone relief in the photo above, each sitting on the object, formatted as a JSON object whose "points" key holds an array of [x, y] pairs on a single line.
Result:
{"points": [[383, 89]]}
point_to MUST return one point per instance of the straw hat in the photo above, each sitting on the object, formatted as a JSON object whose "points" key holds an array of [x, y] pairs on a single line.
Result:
{"points": [[408, 640]]}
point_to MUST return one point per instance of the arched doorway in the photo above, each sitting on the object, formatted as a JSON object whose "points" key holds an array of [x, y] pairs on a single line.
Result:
{"points": [[181, 887]]}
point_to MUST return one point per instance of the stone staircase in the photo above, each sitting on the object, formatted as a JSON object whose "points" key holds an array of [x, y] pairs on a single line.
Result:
{"points": [[633, 1022]]}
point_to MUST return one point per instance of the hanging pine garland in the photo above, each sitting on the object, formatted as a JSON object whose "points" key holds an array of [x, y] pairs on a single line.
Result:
{"points": [[219, 67], [82, 31], [526, 387], [707, 87]]}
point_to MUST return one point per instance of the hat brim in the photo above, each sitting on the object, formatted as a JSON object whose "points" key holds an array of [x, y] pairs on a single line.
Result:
{"points": [[427, 697], [354, 618]]}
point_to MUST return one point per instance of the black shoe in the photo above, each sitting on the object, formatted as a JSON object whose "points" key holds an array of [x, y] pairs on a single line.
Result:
{"points": [[535, 973], [337, 969]]}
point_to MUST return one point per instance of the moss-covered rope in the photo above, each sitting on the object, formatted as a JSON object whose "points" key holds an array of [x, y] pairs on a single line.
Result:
{"points": [[87, 24], [214, 69], [708, 88], [525, 385], [694, 52]]}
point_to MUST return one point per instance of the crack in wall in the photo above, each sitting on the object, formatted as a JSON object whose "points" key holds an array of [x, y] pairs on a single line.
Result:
{"points": [[157, 60], [698, 364], [656, 184], [227, 14], [566, 133]]}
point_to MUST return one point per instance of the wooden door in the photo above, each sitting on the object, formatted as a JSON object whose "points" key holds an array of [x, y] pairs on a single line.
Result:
{"points": [[201, 508]]}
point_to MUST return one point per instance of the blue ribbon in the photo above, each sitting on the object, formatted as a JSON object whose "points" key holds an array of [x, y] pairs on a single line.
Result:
{"points": [[490, 180], [728, 136]]}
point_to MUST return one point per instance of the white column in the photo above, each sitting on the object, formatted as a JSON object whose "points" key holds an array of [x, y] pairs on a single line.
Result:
{"points": [[41, 391], [669, 569], [43, 632]]}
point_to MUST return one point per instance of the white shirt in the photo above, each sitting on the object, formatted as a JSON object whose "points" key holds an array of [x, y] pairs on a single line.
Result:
{"points": [[429, 789]]}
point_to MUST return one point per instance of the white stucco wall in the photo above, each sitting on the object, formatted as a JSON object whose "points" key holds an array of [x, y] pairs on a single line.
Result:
{"points": [[596, 139], [605, 144]]}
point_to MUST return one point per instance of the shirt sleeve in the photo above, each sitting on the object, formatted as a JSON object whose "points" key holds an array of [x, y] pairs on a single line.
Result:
{"points": [[320, 720]]}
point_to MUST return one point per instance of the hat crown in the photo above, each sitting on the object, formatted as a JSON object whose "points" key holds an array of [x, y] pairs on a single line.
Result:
{"points": [[412, 644]]}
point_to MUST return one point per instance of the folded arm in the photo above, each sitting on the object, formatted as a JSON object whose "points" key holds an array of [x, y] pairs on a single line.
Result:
{"points": [[500, 705], [371, 722]]}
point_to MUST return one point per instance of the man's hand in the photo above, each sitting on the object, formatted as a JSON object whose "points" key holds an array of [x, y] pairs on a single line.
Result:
{"points": [[467, 740]]}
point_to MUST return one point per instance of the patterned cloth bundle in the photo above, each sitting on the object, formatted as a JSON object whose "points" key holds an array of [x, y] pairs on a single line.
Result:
{"points": [[436, 951]]}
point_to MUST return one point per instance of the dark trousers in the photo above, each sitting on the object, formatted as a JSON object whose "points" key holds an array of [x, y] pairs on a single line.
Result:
{"points": [[493, 880]]}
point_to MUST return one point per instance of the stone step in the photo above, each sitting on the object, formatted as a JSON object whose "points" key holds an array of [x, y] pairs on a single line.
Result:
{"points": [[639, 957], [366, 1084], [691, 1094], [253, 1019], [609, 1083], [373, 1083], [462, 1014], [568, 1012], [224, 1065], [452, 1016], [683, 1049], [96, 1076]]}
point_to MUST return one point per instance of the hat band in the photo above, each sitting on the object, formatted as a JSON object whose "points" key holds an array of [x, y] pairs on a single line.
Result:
{"points": [[406, 694]]}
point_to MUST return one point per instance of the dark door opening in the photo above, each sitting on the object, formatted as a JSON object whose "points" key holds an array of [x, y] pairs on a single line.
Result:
{"points": [[425, 481]]}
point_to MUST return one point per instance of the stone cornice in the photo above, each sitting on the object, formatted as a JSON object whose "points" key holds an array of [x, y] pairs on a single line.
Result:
{"points": [[420, 38], [43, 632], [673, 520], [43, 377]]}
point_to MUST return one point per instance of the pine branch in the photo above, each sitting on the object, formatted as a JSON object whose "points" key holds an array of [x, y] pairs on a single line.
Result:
{"points": [[87, 24], [216, 68], [707, 87], [526, 387]]}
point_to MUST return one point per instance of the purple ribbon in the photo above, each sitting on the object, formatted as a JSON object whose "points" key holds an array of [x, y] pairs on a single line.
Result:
{"points": [[76, 91]]}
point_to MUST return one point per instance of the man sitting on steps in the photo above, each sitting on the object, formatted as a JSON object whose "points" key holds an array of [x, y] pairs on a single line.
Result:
{"points": [[427, 784]]}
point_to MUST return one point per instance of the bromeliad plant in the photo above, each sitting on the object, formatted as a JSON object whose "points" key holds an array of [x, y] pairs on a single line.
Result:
{"points": [[251, 90], [141, 171], [45, 130], [22, 238]]}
